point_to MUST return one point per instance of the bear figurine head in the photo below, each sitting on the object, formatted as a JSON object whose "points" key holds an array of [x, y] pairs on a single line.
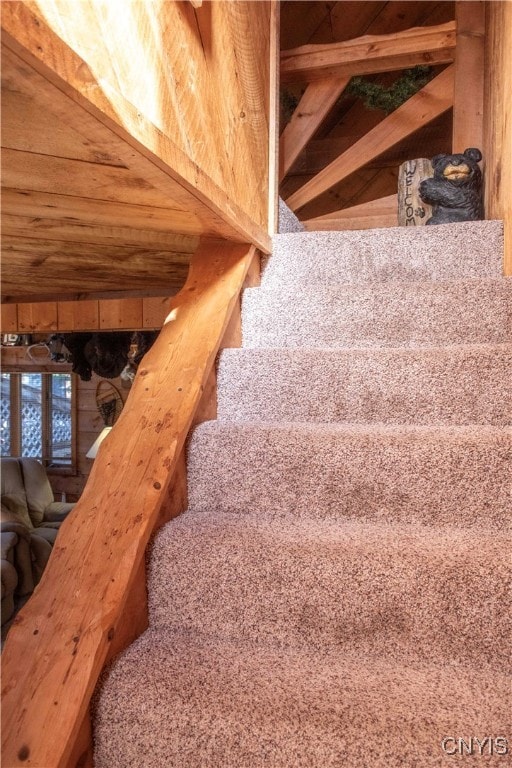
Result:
{"points": [[455, 190]]}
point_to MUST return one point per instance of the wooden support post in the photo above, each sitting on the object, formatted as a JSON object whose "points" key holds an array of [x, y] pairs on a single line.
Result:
{"points": [[468, 101], [498, 120]]}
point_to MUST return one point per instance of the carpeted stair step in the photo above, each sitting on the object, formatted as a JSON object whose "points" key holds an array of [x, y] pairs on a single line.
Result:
{"points": [[447, 252], [194, 701], [440, 385], [386, 314], [435, 475], [320, 584]]}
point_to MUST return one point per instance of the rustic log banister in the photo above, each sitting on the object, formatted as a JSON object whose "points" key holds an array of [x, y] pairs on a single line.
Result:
{"points": [[83, 610]]}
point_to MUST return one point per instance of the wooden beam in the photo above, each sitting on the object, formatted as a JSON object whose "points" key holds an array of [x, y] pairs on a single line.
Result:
{"points": [[315, 104], [498, 121], [468, 104], [60, 640], [374, 214], [370, 54], [432, 100]]}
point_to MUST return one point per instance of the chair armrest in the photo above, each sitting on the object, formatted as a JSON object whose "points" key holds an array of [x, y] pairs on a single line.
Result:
{"points": [[8, 540], [57, 511], [19, 529]]}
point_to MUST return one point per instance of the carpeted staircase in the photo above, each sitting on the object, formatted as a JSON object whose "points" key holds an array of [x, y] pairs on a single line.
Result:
{"points": [[337, 594]]}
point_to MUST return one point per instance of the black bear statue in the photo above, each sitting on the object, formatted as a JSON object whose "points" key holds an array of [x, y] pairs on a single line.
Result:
{"points": [[455, 190]]}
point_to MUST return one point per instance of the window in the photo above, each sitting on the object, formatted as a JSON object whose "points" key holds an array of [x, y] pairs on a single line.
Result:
{"points": [[37, 417]]}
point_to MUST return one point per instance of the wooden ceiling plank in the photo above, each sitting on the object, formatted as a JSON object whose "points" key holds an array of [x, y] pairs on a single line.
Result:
{"points": [[316, 102], [42, 173], [432, 100], [51, 266], [78, 232], [89, 212], [370, 54], [22, 129]]}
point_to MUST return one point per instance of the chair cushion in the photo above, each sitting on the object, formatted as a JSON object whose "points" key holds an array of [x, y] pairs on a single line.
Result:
{"points": [[37, 487], [14, 498]]}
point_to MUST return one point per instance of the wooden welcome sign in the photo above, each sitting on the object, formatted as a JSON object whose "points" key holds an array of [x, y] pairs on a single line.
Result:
{"points": [[412, 211]]}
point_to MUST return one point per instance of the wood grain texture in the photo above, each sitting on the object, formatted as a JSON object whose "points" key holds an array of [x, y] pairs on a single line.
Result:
{"points": [[135, 314], [468, 104], [155, 83], [50, 266], [374, 214], [60, 640], [498, 120], [317, 100], [432, 100], [370, 54]]}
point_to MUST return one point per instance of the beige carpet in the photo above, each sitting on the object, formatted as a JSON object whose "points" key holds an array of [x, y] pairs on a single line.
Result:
{"points": [[338, 593]]}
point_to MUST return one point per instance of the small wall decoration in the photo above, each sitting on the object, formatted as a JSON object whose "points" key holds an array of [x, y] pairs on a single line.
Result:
{"points": [[455, 190], [412, 211]]}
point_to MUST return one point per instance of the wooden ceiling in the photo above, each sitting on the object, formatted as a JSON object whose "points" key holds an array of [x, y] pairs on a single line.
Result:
{"points": [[315, 23], [84, 215], [75, 219], [110, 172]]}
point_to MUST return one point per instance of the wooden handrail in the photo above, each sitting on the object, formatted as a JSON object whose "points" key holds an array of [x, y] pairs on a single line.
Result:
{"points": [[60, 640]]}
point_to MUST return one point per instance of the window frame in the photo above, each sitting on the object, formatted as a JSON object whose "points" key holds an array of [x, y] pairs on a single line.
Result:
{"points": [[16, 373]]}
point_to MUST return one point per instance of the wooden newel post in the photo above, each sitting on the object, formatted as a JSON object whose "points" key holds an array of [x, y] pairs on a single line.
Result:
{"points": [[412, 211]]}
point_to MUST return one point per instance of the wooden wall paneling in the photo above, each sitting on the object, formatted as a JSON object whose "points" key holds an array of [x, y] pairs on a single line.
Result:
{"points": [[120, 313], [9, 318], [432, 100], [177, 134], [347, 20], [370, 54], [47, 687], [300, 19], [316, 102], [40, 317], [376, 213], [498, 120], [77, 315], [154, 311], [468, 104]]}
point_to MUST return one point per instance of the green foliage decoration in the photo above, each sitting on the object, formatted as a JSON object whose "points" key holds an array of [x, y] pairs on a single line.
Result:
{"points": [[377, 96]]}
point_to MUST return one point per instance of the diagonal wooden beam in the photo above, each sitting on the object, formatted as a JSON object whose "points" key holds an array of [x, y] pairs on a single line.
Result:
{"points": [[432, 100], [315, 104], [370, 53]]}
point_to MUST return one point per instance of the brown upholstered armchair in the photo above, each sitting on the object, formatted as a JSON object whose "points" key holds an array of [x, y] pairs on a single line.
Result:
{"points": [[29, 511], [9, 573]]}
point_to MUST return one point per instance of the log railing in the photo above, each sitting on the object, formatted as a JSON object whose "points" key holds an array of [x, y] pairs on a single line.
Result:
{"points": [[90, 602]]}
